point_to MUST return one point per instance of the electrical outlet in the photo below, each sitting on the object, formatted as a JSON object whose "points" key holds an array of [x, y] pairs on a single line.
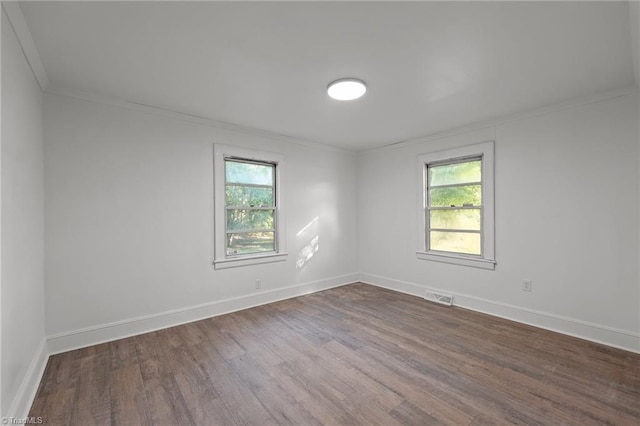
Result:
{"points": [[258, 284], [527, 285]]}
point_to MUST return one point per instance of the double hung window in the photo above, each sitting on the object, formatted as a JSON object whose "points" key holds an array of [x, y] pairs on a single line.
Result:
{"points": [[250, 204], [249, 223], [456, 207]]}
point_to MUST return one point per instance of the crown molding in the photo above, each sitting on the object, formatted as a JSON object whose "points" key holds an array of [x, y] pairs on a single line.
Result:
{"points": [[192, 118], [511, 118]]}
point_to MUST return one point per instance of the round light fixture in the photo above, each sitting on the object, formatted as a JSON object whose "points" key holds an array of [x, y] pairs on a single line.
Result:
{"points": [[346, 89]]}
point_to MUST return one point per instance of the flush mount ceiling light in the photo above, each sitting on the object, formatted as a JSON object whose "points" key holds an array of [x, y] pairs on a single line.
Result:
{"points": [[346, 89]]}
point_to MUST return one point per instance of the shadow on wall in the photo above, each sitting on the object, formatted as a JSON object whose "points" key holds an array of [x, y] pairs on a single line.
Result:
{"points": [[309, 237]]}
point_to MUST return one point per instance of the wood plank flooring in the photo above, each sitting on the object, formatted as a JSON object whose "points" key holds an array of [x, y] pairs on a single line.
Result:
{"points": [[352, 355]]}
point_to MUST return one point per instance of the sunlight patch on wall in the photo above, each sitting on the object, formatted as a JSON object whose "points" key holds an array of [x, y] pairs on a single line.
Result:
{"points": [[309, 237]]}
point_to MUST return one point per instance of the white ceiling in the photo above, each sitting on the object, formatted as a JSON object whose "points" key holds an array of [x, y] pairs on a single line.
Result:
{"points": [[430, 66]]}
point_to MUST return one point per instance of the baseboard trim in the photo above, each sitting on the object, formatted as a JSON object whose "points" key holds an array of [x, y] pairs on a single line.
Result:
{"points": [[23, 399], [63, 342], [81, 338], [617, 338]]}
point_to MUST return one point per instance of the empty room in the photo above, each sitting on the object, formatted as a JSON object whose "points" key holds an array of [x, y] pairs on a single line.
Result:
{"points": [[320, 213]]}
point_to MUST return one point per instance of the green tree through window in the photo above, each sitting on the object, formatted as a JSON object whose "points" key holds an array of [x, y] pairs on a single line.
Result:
{"points": [[454, 206], [250, 203]]}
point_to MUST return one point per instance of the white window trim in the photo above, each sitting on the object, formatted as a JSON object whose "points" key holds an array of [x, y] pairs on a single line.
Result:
{"points": [[487, 260], [221, 260]]}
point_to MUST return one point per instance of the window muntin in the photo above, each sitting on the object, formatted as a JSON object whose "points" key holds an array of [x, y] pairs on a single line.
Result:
{"points": [[250, 207], [454, 206]]}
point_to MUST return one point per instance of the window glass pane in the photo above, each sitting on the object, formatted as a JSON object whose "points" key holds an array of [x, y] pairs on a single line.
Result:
{"points": [[447, 174], [251, 242], [249, 219], [249, 196], [256, 174], [468, 219], [458, 196], [456, 242]]}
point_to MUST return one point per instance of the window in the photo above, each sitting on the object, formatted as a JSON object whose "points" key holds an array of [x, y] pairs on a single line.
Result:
{"points": [[248, 222], [456, 208], [250, 202]]}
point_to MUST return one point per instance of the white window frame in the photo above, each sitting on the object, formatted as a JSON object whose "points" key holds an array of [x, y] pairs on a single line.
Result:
{"points": [[485, 151], [221, 259]]}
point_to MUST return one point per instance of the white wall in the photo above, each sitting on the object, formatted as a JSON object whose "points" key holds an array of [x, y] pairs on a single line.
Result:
{"points": [[566, 218], [22, 227], [129, 224]]}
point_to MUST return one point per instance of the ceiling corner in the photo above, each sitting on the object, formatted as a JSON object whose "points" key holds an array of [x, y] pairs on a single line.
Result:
{"points": [[21, 29]]}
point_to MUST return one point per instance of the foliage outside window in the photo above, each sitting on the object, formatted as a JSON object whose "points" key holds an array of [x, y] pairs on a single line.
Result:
{"points": [[456, 206], [248, 215], [250, 204]]}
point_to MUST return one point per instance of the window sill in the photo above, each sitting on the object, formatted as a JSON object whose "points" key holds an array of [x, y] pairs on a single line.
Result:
{"points": [[236, 262], [457, 260]]}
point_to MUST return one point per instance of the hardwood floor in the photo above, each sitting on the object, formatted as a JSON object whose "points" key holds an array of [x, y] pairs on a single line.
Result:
{"points": [[351, 355]]}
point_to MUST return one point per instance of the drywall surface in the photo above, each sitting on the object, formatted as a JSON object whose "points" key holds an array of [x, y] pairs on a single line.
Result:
{"points": [[129, 224], [566, 203], [22, 222]]}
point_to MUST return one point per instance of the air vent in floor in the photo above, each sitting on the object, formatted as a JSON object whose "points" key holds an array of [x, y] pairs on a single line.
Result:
{"points": [[443, 299]]}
